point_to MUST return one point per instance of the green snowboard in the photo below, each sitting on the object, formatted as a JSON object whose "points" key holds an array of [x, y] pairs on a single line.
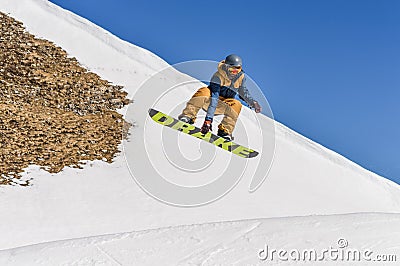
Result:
{"points": [[194, 131]]}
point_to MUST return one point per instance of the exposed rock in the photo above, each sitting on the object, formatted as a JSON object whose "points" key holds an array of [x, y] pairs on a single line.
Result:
{"points": [[53, 112]]}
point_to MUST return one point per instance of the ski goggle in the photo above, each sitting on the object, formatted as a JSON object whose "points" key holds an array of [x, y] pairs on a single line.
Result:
{"points": [[234, 68]]}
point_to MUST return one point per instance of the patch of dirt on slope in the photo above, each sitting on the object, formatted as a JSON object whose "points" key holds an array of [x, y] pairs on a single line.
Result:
{"points": [[53, 112]]}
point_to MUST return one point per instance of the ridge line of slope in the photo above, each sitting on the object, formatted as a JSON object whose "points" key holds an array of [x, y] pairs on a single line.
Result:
{"points": [[122, 235], [90, 28], [107, 35], [304, 142]]}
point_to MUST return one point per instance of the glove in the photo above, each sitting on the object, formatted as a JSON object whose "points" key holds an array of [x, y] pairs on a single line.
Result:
{"points": [[257, 107], [206, 126]]}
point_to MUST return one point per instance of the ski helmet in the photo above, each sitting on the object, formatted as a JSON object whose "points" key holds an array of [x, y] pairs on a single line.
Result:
{"points": [[233, 60]]}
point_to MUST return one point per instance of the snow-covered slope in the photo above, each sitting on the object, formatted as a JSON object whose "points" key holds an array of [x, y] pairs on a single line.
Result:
{"points": [[305, 178], [230, 243]]}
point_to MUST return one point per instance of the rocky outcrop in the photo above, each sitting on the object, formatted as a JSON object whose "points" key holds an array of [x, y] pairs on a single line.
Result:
{"points": [[53, 112]]}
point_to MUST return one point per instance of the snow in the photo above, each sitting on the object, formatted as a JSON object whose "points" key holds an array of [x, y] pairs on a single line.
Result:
{"points": [[100, 216], [227, 243]]}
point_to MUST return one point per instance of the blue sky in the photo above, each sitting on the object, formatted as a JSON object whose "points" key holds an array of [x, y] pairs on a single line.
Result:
{"points": [[329, 69]]}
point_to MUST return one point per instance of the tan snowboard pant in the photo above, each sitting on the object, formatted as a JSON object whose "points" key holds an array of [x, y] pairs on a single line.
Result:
{"points": [[228, 107]]}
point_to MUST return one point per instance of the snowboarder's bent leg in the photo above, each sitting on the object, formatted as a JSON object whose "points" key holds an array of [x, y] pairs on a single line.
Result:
{"points": [[231, 114], [197, 101]]}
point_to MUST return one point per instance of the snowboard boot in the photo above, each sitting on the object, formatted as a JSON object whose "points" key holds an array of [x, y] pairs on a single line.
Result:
{"points": [[207, 126], [222, 132], [186, 119]]}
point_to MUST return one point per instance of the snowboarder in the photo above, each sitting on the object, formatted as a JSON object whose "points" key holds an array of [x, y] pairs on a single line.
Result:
{"points": [[219, 98]]}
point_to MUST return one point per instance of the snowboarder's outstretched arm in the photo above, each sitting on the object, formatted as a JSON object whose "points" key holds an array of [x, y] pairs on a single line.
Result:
{"points": [[245, 95]]}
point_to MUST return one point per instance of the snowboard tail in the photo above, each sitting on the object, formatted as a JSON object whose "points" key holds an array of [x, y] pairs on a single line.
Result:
{"points": [[194, 131]]}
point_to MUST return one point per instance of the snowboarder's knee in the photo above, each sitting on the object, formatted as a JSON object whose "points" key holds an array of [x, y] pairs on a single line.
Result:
{"points": [[234, 104], [203, 92]]}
